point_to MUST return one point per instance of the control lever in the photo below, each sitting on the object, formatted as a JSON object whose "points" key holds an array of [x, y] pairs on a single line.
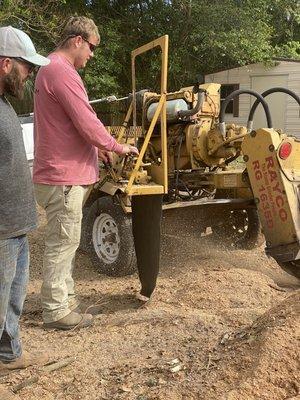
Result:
{"points": [[109, 168]]}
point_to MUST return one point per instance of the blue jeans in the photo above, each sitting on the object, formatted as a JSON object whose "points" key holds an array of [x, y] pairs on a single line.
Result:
{"points": [[14, 274]]}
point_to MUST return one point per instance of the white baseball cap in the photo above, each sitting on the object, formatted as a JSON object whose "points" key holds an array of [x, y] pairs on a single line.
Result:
{"points": [[17, 44]]}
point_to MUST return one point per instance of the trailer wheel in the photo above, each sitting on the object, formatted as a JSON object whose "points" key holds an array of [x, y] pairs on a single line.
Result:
{"points": [[107, 238], [238, 228]]}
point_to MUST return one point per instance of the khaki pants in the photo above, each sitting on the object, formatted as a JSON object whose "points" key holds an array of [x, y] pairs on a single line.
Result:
{"points": [[63, 206]]}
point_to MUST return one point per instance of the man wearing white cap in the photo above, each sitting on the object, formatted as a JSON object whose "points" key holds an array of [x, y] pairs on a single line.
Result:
{"points": [[18, 58]]}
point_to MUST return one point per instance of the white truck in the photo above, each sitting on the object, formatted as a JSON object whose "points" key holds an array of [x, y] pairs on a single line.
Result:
{"points": [[27, 127]]}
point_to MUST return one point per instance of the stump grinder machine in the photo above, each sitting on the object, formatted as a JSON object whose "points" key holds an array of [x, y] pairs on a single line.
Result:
{"points": [[246, 182]]}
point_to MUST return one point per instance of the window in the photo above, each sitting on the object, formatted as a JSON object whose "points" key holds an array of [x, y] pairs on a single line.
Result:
{"points": [[233, 105]]}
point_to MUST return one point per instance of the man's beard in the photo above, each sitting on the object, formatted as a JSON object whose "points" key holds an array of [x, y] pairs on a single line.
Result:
{"points": [[13, 83]]}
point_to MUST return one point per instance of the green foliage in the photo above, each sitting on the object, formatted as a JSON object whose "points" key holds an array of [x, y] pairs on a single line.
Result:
{"points": [[288, 50], [205, 36]]}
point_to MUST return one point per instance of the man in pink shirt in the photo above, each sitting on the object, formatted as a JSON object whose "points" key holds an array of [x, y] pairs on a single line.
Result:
{"points": [[68, 139]]}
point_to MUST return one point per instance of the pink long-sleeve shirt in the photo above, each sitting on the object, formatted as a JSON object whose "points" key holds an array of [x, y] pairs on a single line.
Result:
{"points": [[67, 131]]}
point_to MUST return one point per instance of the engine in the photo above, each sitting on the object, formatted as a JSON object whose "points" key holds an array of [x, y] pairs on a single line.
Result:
{"points": [[194, 139]]}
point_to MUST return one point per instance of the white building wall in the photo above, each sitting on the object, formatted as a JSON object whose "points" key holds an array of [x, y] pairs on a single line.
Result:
{"points": [[243, 75]]}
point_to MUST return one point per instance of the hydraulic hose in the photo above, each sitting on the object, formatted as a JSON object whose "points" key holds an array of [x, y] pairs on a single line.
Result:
{"points": [[197, 108], [264, 94], [237, 93]]}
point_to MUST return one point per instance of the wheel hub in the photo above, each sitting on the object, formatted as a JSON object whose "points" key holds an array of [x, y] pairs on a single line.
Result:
{"points": [[106, 238]]}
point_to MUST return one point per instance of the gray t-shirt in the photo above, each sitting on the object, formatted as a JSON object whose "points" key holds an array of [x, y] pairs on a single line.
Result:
{"points": [[17, 204]]}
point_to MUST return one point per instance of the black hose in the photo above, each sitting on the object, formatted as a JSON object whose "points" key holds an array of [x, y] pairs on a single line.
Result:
{"points": [[264, 94], [197, 108], [237, 93]]}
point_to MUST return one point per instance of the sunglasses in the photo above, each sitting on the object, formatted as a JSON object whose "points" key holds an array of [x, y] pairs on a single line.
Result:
{"points": [[91, 45], [31, 67]]}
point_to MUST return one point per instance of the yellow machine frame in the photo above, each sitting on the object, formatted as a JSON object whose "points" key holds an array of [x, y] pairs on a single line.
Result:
{"points": [[161, 173]]}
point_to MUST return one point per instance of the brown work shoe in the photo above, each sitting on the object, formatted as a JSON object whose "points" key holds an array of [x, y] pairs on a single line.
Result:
{"points": [[73, 320], [24, 361]]}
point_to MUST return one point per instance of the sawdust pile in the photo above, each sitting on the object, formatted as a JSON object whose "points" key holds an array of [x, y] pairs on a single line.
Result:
{"points": [[222, 325], [262, 360]]}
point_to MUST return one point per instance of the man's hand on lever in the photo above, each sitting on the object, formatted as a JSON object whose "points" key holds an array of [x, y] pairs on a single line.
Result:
{"points": [[106, 156], [128, 149]]}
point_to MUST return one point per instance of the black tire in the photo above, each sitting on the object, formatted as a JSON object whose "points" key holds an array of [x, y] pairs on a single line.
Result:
{"points": [[107, 237], [239, 228], [291, 267], [84, 239]]}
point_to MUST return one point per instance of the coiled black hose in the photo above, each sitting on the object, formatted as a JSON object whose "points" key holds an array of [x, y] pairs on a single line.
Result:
{"points": [[232, 95], [264, 94]]}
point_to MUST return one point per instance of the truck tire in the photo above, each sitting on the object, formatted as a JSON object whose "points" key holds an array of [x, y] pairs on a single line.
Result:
{"points": [[107, 237], [291, 267], [240, 228]]}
